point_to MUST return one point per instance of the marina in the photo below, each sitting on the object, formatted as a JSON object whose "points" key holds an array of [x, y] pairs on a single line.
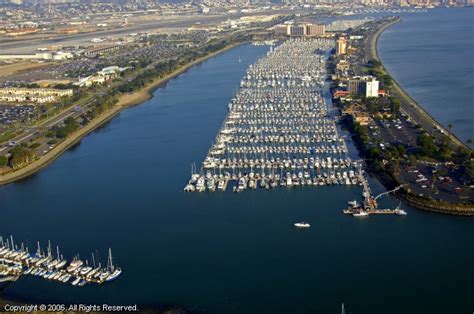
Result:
{"points": [[243, 244], [17, 261], [278, 131]]}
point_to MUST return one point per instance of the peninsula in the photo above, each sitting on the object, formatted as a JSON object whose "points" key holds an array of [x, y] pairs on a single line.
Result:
{"points": [[401, 143]]}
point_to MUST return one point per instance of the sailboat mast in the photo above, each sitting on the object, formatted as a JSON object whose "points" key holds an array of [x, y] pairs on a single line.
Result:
{"points": [[111, 265]]}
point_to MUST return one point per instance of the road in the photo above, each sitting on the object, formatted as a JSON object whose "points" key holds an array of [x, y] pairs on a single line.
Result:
{"points": [[407, 104], [34, 132]]}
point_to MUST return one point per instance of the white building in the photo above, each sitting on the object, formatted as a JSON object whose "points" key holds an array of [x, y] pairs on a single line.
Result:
{"points": [[372, 88]]}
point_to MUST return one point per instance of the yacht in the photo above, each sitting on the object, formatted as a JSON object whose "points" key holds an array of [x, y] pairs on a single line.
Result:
{"points": [[75, 264]]}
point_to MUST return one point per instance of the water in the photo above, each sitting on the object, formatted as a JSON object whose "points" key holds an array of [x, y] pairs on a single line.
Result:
{"points": [[121, 187], [430, 55]]}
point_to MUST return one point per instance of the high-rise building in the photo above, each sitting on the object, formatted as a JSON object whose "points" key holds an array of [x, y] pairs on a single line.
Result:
{"points": [[372, 88], [315, 30], [367, 86], [341, 46], [282, 30], [298, 30]]}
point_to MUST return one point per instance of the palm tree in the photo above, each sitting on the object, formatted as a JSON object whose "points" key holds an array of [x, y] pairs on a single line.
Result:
{"points": [[450, 127]]}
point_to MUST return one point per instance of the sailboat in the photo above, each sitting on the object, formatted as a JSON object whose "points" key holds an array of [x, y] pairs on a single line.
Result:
{"points": [[114, 272]]}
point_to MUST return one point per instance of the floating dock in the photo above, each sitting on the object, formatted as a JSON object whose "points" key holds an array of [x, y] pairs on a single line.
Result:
{"points": [[278, 131], [16, 262]]}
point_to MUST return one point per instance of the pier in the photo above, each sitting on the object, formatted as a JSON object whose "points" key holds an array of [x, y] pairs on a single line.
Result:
{"points": [[279, 131], [370, 205], [18, 261]]}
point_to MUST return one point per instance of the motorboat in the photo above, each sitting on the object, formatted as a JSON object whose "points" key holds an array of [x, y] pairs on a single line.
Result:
{"points": [[302, 224]]}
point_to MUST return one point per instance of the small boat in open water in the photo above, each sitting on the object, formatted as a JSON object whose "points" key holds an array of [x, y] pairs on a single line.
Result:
{"points": [[302, 224]]}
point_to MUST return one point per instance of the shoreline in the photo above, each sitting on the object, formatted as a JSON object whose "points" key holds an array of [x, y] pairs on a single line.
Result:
{"points": [[407, 100], [125, 101], [373, 53]]}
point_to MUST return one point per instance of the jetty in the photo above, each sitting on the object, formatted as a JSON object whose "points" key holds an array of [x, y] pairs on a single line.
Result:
{"points": [[18, 261], [279, 131]]}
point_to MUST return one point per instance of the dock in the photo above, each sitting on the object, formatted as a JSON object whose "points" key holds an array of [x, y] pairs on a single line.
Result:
{"points": [[278, 131], [370, 205], [18, 261]]}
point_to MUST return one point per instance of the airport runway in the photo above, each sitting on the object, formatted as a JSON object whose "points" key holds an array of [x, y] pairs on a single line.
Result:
{"points": [[29, 46]]}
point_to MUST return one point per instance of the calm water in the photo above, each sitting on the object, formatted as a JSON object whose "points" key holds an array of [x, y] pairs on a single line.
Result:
{"points": [[225, 252], [431, 55]]}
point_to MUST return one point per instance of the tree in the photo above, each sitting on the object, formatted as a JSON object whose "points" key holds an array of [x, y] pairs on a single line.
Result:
{"points": [[3, 161], [427, 145], [21, 156], [450, 127]]}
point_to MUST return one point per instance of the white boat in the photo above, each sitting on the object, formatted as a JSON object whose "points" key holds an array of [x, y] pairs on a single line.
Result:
{"points": [[75, 264], [114, 272], [399, 211], [76, 281], [302, 224], [354, 203], [361, 213], [117, 272]]}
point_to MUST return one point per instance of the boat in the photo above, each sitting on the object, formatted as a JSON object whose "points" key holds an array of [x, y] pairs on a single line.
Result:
{"points": [[361, 213], [76, 281], [354, 203], [399, 211], [302, 224], [75, 264], [114, 272], [117, 272]]}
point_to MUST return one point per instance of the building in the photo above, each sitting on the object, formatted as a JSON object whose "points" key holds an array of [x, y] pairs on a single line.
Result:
{"points": [[105, 75], [37, 95], [59, 55], [354, 86], [343, 65], [366, 85], [372, 88], [341, 46], [298, 30], [315, 30], [282, 30]]}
